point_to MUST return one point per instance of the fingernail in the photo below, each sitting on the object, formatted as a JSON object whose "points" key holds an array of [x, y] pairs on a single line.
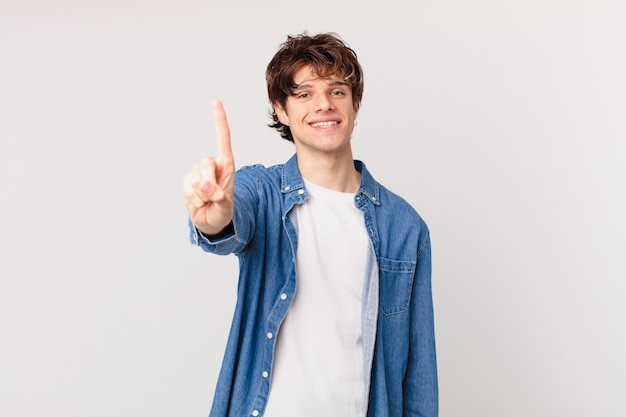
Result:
{"points": [[207, 188]]}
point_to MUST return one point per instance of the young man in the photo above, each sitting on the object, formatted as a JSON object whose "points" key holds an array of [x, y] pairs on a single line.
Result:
{"points": [[334, 312]]}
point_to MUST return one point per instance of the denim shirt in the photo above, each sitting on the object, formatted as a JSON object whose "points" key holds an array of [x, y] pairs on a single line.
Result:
{"points": [[397, 311]]}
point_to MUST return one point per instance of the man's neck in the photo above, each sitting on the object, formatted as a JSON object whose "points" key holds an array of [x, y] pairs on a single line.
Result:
{"points": [[331, 171]]}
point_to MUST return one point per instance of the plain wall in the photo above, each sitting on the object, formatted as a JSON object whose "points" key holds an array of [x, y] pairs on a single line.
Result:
{"points": [[502, 122]]}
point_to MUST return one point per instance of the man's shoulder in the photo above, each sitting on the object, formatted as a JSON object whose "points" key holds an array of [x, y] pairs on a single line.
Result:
{"points": [[270, 170], [261, 170], [396, 202], [389, 201], [260, 167], [395, 206], [284, 175]]}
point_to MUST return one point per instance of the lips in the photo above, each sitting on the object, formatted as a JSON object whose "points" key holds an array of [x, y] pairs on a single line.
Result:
{"points": [[324, 125]]}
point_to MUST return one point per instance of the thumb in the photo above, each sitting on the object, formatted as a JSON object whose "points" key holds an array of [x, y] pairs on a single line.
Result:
{"points": [[213, 192]]}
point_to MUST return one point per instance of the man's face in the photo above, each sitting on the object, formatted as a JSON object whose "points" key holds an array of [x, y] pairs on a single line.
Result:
{"points": [[320, 113]]}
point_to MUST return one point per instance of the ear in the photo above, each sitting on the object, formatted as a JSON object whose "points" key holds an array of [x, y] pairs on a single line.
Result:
{"points": [[281, 113]]}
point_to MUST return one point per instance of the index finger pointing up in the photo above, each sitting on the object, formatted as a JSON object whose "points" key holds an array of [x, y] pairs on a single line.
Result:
{"points": [[223, 131]]}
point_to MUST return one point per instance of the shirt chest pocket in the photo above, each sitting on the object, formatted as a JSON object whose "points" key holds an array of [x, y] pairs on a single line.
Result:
{"points": [[395, 283]]}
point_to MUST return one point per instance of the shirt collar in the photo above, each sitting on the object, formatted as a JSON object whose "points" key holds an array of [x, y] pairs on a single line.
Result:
{"points": [[369, 186], [291, 179]]}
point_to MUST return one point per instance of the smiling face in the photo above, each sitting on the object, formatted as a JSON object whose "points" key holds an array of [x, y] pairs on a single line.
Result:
{"points": [[320, 113]]}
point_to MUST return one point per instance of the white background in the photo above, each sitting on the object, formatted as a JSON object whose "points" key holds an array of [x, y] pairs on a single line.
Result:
{"points": [[502, 122]]}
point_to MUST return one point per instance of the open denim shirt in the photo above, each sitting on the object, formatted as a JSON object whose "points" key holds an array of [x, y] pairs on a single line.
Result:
{"points": [[397, 311]]}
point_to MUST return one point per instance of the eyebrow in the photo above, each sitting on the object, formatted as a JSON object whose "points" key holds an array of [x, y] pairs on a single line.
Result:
{"points": [[307, 86]]}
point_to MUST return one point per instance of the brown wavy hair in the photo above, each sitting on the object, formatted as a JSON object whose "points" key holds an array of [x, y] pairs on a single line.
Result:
{"points": [[326, 53]]}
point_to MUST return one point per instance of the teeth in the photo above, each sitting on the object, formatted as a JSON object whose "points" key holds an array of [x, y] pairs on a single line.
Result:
{"points": [[324, 124]]}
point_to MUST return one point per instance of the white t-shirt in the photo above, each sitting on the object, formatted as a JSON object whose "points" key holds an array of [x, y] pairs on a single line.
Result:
{"points": [[318, 365]]}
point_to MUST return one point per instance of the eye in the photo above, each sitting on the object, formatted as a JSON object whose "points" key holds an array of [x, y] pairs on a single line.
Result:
{"points": [[303, 95], [338, 93]]}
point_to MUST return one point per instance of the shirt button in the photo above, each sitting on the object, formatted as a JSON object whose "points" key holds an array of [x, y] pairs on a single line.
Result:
{"points": [[255, 413], [283, 296], [270, 335], [265, 374], [300, 191]]}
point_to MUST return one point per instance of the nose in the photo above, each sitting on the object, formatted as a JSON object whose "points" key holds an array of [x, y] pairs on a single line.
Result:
{"points": [[323, 103]]}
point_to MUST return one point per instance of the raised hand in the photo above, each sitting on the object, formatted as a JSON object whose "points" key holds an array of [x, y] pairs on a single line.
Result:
{"points": [[208, 189]]}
